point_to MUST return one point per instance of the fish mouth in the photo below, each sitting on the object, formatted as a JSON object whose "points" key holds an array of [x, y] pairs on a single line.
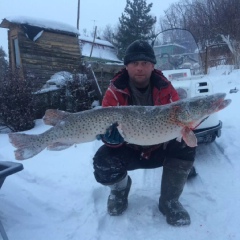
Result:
{"points": [[224, 104], [219, 102]]}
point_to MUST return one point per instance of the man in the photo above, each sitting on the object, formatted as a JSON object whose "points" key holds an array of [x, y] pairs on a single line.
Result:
{"points": [[140, 84]]}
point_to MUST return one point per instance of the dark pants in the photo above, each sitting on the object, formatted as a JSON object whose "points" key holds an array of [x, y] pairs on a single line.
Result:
{"points": [[111, 164]]}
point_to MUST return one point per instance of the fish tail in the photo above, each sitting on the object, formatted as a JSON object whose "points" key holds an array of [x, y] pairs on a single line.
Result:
{"points": [[27, 145], [53, 116]]}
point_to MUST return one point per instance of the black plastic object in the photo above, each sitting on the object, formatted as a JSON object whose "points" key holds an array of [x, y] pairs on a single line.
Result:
{"points": [[8, 168]]}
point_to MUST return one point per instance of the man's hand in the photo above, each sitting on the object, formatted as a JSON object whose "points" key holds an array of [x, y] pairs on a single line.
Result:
{"points": [[111, 137]]}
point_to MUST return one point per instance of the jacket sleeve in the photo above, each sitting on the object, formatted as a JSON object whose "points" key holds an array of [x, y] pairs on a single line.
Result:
{"points": [[112, 137], [110, 99], [174, 94]]}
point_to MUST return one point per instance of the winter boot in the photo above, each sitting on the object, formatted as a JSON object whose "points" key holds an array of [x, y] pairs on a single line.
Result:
{"points": [[118, 198], [174, 177]]}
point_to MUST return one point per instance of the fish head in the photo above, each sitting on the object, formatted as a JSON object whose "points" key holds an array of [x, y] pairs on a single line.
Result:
{"points": [[193, 110]]}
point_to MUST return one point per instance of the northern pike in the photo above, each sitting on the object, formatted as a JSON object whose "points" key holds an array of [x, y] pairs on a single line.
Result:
{"points": [[140, 125]]}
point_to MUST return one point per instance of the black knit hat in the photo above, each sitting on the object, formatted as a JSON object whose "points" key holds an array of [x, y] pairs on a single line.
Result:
{"points": [[139, 50]]}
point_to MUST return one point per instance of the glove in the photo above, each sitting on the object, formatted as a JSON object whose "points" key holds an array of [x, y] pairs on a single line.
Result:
{"points": [[111, 137]]}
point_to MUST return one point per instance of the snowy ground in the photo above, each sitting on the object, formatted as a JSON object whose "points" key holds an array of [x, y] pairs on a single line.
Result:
{"points": [[56, 196]]}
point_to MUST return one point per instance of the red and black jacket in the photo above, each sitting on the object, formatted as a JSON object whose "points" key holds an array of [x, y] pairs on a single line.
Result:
{"points": [[119, 94]]}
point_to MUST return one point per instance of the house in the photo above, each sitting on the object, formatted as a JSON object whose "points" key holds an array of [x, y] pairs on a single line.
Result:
{"points": [[164, 52], [40, 48], [102, 56], [98, 50]]}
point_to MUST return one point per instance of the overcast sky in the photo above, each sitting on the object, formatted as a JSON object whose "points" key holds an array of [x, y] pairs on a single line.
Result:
{"points": [[92, 12]]}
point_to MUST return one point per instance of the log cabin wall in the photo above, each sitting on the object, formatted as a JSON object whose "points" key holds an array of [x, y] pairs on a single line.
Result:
{"points": [[51, 53], [42, 56]]}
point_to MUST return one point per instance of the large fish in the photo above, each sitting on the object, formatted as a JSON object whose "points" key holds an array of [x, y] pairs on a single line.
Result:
{"points": [[141, 125]]}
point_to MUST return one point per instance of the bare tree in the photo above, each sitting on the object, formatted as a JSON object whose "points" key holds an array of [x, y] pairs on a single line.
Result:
{"points": [[108, 34], [210, 21]]}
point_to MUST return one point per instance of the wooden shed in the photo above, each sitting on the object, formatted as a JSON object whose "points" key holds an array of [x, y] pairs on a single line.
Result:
{"points": [[40, 48]]}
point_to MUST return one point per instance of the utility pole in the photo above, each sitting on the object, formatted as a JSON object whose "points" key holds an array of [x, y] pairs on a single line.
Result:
{"points": [[95, 32], [78, 14]]}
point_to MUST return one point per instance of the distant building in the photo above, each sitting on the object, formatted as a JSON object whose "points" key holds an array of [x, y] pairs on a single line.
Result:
{"points": [[98, 50], [163, 53], [102, 56]]}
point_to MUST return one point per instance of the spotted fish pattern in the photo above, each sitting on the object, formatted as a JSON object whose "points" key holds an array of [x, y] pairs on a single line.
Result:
{"points": [[140, 125]]}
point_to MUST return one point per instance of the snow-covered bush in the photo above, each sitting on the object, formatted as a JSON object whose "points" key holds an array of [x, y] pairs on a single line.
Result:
{"points": [[65, 91]]}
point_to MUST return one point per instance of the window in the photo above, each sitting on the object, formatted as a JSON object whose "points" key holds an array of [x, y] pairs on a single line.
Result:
{"points": [[16, 53]]}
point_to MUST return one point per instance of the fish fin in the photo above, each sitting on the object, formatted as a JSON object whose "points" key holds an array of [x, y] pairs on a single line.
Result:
{"points": [[189, 137], [179, 139], [27, 145], [54, 116], [58, 146]]}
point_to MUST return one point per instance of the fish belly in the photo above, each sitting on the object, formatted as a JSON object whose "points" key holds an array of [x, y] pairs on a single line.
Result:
{"points": [[148, 128]]}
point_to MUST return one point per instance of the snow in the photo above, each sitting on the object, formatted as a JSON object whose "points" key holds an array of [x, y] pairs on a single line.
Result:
{"points": [[170, 44], [58, 80], [38, 36], [101, 49], [43, 23], [97, 41], [57, 197]]}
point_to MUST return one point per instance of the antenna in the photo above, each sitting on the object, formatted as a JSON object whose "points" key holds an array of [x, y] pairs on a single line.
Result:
{"points": [[78, 14]]}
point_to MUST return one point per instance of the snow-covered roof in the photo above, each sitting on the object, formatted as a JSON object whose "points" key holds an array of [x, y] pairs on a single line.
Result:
{"points": [[97, 41], [170, 44], [101, 49], [42, 23]]}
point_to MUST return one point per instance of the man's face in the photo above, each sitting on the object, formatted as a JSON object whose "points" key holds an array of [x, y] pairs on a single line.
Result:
{"points": [[140, 72]]}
